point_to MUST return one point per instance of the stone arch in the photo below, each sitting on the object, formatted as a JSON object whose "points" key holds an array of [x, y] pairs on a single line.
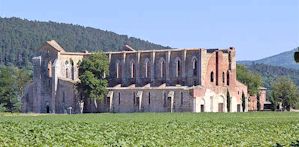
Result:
{"points": [[178, 67], [132, 69], [162, 67], [147, 68]]}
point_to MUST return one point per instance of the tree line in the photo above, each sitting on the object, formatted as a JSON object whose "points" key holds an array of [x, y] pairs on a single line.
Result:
{"points": [[20, 39]]}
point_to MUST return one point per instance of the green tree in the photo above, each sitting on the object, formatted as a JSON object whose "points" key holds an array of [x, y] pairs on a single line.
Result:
{"points": [[283, 90], [92, 74], [243, 102], [12, 83], [258, 102], [251, 79]]}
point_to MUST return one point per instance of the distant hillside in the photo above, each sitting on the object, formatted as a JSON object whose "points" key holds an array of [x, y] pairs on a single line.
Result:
{"points": [[19, 38], [269, 73], [284, 59]]}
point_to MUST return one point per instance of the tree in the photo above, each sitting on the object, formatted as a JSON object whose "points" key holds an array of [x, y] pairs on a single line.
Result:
{"points": [[12, 83], [228, 101], [283, 90], [251, 79], [258, 103], [92, 74], [243, 102]]}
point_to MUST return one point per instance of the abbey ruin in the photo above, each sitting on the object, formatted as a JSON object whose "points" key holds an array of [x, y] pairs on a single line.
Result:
{"points": [[170, 80]]}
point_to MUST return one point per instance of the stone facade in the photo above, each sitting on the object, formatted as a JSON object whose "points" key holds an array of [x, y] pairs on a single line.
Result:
{"points": [[171, 80]]}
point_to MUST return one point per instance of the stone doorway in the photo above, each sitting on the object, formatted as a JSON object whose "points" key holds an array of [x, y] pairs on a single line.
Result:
{"points": [[48, 109], [220, 107], [202, 108]]}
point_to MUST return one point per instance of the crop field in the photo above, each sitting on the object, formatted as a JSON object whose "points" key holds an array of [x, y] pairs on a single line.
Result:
{"points": [[151, 129]]}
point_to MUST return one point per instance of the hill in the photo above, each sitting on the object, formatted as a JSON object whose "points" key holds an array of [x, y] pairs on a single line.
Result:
{"points": [[269, 73], [19, 39], [284, 59]]}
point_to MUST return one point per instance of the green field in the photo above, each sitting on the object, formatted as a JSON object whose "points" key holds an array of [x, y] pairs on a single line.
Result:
{"points": [[151, 129]]}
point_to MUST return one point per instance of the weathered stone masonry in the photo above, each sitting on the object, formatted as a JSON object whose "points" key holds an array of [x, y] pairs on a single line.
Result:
{"points": [[171, 80]]}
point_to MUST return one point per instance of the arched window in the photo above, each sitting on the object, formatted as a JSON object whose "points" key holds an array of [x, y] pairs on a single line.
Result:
{"points": [[162, 67], [146, 68], [194, 66], [227, 78], [132, 68], [223, 77], [117, 67], [212, 76], [178, 67], [67, 69]]}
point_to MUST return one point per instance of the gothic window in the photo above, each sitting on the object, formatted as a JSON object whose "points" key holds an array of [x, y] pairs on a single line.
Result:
{"points": [[212, 76], [194, 66], [223, 77], [132, 69], [178, 67], [162, 68]]}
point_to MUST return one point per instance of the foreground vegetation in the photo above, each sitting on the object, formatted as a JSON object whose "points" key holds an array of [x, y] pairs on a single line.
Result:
{"points": [[151, 129]]}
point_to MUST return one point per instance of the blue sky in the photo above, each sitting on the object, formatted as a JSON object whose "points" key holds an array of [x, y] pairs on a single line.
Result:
{"points": [[256, 28]]}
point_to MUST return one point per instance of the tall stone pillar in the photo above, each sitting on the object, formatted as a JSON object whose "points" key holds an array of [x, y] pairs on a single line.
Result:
{"points": [[37, 81], [138, 68], [184, 69], [168, 67], [123, 71], [56, 73], [153, 69]]}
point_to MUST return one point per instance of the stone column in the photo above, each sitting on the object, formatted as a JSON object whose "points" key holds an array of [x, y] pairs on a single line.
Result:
{"points": [[111, 104], [153, 57], [56, 72], [168, 67], [137, 66], [123, 70], [184, 69]]}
